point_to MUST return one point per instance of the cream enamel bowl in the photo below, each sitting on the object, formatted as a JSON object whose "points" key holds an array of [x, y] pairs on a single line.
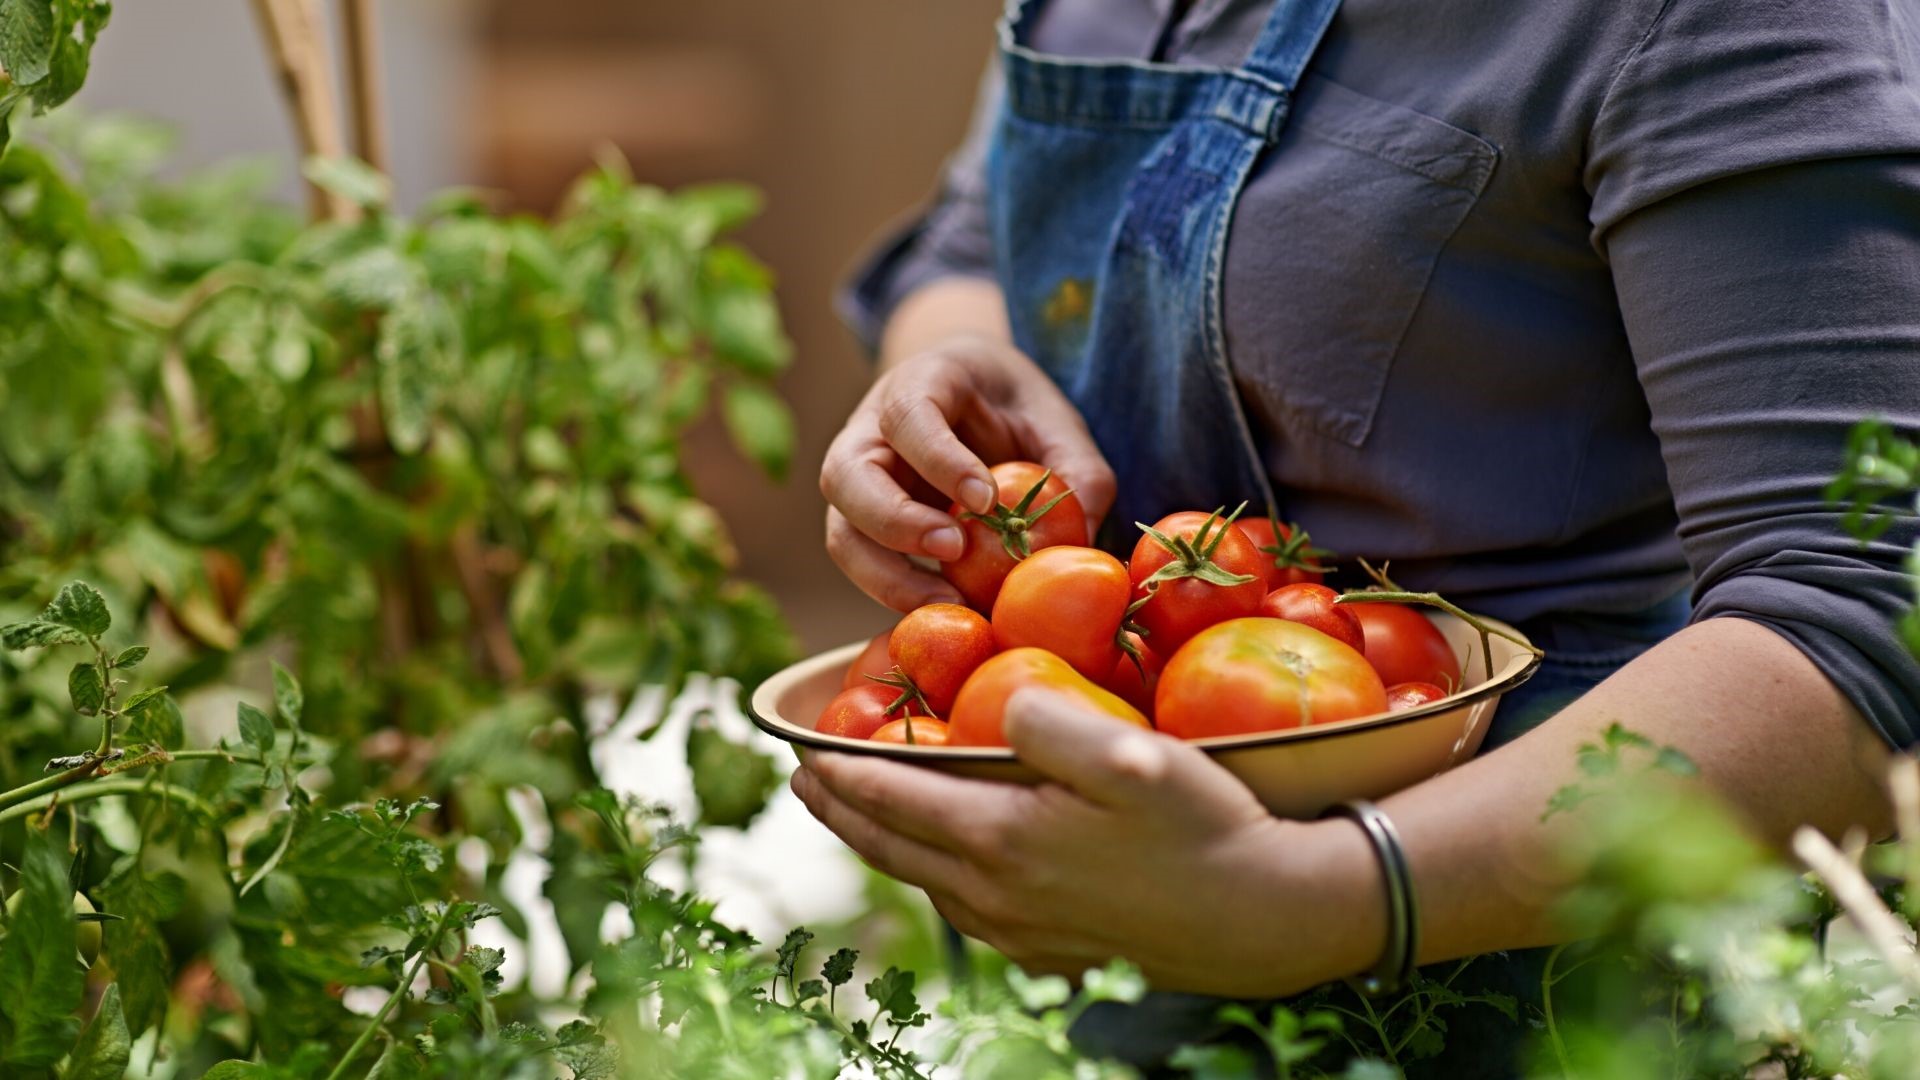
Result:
{"points": [[1296, 773]]}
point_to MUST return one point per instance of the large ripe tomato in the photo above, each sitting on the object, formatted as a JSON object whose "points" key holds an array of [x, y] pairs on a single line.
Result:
{"points": [[1135, 683], [1069, 601], [1260, 674], [1035, 511], [1207, 572], [937, 646], [1313, 605], [858, 712], [873, 660], [913, 731], [1404, 646], [1288, 553], [983, 701], [1412, 695]]}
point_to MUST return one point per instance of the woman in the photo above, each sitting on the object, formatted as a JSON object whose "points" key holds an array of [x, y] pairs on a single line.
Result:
{"points": [[1564, 308]]}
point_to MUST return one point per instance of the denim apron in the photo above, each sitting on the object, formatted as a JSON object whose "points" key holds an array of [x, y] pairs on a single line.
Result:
{"points": [[1111, 185]]}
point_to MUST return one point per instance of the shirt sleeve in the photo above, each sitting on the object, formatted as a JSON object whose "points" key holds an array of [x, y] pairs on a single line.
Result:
{"points": [[948, 237], [1755, 174]]}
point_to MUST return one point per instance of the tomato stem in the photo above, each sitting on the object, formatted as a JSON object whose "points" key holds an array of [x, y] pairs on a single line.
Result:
{"points": [[1194, 558], [1293, 549], [1433, 599], [1014, 522]]}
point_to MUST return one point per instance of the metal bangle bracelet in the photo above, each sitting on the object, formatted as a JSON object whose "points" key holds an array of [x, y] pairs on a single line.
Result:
{"points": [[1395, 966]]}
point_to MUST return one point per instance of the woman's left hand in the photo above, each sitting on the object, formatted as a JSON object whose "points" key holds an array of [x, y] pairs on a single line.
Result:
{"points": [[1139, 846]]}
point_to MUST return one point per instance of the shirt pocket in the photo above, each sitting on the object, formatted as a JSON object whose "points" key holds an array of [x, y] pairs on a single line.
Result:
{"points": [[1331, 246]]}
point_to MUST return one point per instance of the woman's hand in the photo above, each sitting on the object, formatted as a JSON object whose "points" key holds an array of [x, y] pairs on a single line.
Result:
{"points": [[929, 425], [1140, 847]]}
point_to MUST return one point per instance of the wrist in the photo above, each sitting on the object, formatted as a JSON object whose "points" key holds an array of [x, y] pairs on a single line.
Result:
{"points": [[1331, 887]]}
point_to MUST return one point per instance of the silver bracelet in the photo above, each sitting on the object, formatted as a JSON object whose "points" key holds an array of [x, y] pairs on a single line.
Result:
{"points": [[1395, 966]]}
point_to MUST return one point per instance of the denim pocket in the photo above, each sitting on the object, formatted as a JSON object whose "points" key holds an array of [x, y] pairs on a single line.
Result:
{"points": [[1331, 246]]}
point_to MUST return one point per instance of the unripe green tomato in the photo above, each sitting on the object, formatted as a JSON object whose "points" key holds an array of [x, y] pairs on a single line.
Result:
{"points": [[86, 933]]}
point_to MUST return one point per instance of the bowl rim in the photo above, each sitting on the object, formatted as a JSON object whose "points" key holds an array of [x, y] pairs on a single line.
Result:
{"points": [[1501, 683]]}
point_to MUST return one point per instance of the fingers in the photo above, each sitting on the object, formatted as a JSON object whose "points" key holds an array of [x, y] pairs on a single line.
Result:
{"points": [[885, 575], [855, 481], [952, 813], [1061, 442], [885, 850], [917, 415], [1103, 759]]}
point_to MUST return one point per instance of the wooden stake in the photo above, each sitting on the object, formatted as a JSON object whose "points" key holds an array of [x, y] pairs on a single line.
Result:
{"points": [[297, 44], [367, 88]]}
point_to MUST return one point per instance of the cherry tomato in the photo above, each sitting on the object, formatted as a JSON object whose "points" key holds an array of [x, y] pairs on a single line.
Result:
{"points": [[1182, 606], [858, 712], [1408, 695], [1069, 601], [1404, 646], [873, 660], [1313, 605], [1127, 680], [1259, 674], [938, 646], [1288, 553], [913, 731], [983, 701], [1035, 511]]}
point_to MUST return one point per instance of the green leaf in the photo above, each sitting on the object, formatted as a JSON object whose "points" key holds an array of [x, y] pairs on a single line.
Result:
{"points": [[142, 700], [26, 39], [237, 1070], [287, 696], [135, 949], [255, 729], [731, 780], [39, 634], [106, 1046], [1674, 760], [893, 992], [351, 179], [157, 721], [406, 391], [81, 607], [41, 980], [760, 426], [838, 970], [130, 657], [377, 277], [86, 689]]}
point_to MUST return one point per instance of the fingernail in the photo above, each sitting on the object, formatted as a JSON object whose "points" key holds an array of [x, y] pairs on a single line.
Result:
{"points": [[944, 542], [976, 495]]}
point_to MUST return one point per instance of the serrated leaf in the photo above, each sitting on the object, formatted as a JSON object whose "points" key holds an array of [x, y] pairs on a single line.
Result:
{"points": [[892, 991], [105, 1047], [351, 179], [158, 722], [838, 970], [39, 634], [85, 689], [255, 729], [80, 606], [26, 39], [130, 657], [142, 700], [287, 695], [760, 425], [41, 980]]}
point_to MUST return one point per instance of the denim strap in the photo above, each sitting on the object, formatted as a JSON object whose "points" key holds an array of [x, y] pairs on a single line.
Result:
{"points": [[1288, 40]]}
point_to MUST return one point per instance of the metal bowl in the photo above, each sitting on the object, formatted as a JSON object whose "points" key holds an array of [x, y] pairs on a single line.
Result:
{"points": [[1297, 772]]}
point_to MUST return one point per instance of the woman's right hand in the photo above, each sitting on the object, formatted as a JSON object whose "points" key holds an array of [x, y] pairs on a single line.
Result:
{"points": [[930, 423]]}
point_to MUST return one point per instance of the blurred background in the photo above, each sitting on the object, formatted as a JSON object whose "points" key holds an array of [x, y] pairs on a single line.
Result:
{"points": [[840, 112]]}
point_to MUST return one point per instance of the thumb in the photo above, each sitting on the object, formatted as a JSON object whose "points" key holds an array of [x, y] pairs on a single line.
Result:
{"points": [[1105, 759]]}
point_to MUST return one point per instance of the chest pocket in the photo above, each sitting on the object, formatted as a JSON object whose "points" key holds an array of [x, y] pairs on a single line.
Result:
{"points": [[1330, 250]]}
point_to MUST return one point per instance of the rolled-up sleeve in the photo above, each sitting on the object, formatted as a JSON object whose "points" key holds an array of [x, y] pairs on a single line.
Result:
{"points": [[948, 237], [1756, 183]]}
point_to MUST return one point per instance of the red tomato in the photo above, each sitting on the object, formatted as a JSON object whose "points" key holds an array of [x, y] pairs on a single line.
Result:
{"points": [[1035, 511], [873, 660], [1408, 695], [1404, 646], [1289, 554], [1069, 601], [1126, 679], [1313, 605], [938, 646], [983, 701], [859, 712], [1182, 606], [913, 731], [1251, 675]]}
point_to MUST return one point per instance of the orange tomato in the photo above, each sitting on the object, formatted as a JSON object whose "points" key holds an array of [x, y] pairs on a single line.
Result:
{"points": [[978, 714], [1249, 675], [1025, 520], [912, 731], [873, 660], [938, 646], [1069, 601]]}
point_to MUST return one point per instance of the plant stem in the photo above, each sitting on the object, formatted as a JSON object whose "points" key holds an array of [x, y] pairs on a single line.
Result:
{"points": [[406, 980], [1364, 596], [361, 31], [298, 49], [43, 786], [100, 789], [1547, 979]]}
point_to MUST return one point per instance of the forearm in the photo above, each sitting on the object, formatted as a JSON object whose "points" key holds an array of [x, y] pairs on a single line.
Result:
{"points": [[1771, 736], [941, 310]]}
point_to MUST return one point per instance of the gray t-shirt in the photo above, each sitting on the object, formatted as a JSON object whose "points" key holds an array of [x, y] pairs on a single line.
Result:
{"points": [[1560, 305]]}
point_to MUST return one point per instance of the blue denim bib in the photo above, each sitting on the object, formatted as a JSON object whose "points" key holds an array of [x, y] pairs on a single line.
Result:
{"points": [[1111, 185]]}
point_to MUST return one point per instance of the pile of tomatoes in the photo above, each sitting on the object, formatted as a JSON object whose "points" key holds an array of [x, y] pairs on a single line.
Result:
{"points": [[1214, 626]]}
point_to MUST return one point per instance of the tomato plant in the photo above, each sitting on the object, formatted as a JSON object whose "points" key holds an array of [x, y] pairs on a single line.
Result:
{"points": [[1044, 513], [1260, 674]]}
